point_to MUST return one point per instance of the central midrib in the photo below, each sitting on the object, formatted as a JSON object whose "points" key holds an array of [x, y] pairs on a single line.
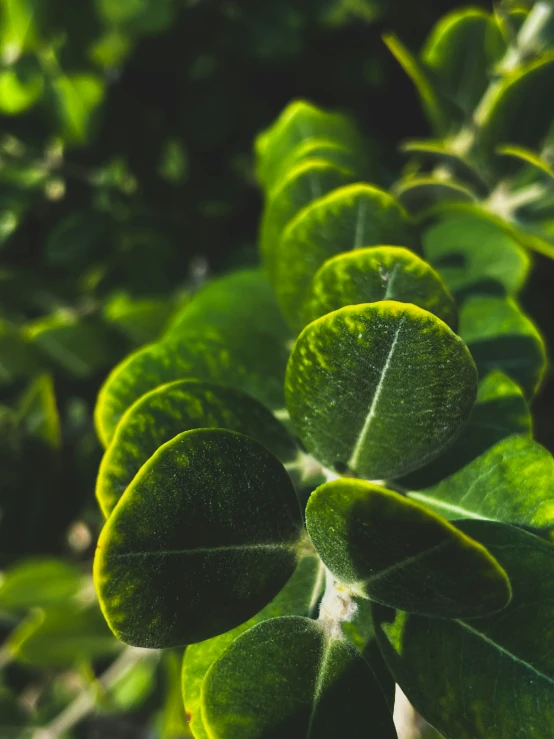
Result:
{"points": [[355, 457], [209, 550]]}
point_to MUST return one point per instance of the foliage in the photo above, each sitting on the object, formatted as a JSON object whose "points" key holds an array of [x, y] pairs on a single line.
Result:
{"points": [[319, 474]]}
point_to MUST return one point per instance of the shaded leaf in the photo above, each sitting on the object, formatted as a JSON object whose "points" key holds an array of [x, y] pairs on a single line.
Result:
{"points": [[379, 389], [301, 682], [161, 414], [422, 192], [77, 99], [299, 597], [38, 583], [455, 246], [38, 412], [501, 337], [394, 551], [485, 677], [209, 501], [378, 273]]}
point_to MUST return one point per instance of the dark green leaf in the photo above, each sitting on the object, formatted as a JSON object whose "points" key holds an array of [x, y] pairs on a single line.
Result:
{"points": [[38, 412], [203, 538], [501, 337], [489, 677], [379, 389], [378, 273], [348, 218], [236, 358], [18, 357], [299, 597], [289, 677], [419, 193], [387, 548], [160, 415], [513, 482]]}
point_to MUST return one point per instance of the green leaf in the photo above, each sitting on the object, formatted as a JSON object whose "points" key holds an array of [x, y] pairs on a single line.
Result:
{"points": [[378, 273], [527, 88], [461, 51], [239, 302], [61, 636], [348, 218], [172, 721], [139, 320], [439, 111], [209, 501], [160, 415], [80, 347], [501, 337], [394, 551], [512, 482], [304, 183], [18, 357], [38, 583], [417, 193], [242, 360], [527, 156], [379, 389], [454, 246], [349, 157], [38, 412], [289, 677], [299, 123], [499, 411], [489, 677], [77, 99], [298, 598], [19, 92], [437, 151]]}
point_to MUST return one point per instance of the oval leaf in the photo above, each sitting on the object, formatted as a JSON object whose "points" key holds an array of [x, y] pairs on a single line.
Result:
{"points": [[289, 677], [203, 538], [489, 677], [378, 273], [513, 482], [348, 218], [299, 597], [306, 182], [246, 361], [160, 415], [396, 552], [379, 389]]}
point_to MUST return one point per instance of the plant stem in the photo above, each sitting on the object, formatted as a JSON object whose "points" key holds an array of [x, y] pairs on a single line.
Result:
{"points": [[84, 703]]}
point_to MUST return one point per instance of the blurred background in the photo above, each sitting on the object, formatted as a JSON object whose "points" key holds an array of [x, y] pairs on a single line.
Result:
{"points": [[126, 177]]}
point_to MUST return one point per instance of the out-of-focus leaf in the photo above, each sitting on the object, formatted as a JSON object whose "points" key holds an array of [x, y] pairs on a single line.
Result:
{"points": [[18, 357], [77, 98], [19, 91], [527, 156], [439, 153], [474, 254], [440, 112], [462, 50], [79, 238], [501, 337], [38, 412], [38, 583], [219, 501], [379, 389], [420, 193], [141, 320], [61, 636]]}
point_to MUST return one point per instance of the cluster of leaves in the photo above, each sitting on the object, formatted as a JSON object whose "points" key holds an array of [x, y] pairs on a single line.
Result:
{"points": [[323, 478]]}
